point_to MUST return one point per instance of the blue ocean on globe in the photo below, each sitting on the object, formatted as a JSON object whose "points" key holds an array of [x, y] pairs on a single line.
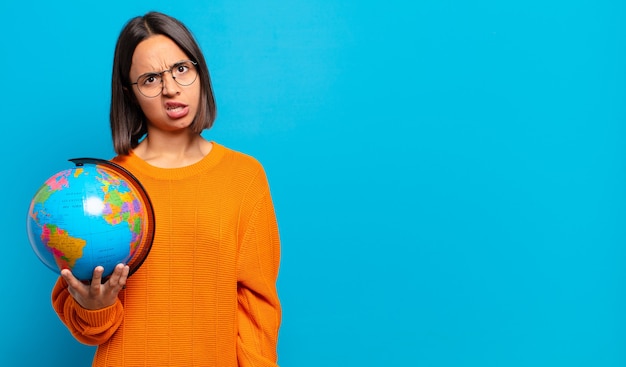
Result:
{"points": [[87, 216]]}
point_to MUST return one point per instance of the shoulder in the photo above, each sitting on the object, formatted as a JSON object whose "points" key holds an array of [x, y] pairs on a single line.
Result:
{"points": [[238, 158], [245, 168]]}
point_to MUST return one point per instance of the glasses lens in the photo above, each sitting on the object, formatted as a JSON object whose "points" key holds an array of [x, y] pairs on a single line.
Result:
{"points": [[150, 85], [184, 73]]}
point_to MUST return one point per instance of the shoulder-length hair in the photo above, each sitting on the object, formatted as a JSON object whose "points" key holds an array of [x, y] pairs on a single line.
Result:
{"points": [[128, 122]]}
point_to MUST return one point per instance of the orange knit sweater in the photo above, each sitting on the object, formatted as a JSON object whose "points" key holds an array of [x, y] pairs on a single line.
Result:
{"points": [[206, 295]]}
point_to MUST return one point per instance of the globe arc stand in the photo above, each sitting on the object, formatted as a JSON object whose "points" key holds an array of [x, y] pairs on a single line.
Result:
{"points": [[146, 243]]}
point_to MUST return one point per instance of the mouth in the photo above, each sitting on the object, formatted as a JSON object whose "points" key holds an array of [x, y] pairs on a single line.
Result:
{"points": [[176, 110], [174, 107]]}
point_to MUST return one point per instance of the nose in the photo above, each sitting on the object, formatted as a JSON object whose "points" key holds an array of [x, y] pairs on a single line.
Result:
{"points": [[170, 86]]}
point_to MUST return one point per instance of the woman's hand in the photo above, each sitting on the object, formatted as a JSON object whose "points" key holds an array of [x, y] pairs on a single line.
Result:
{"points": [[97, 295]]}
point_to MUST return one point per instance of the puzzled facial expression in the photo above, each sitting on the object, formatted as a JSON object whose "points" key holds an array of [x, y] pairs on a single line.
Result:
{"points": [[157, 64]]}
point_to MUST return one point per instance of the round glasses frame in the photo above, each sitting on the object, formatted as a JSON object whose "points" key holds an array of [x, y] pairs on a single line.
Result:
{"points": [[180, 77]]}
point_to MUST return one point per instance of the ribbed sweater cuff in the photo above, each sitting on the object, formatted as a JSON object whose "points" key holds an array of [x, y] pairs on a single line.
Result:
{"points": [[99, 317]]}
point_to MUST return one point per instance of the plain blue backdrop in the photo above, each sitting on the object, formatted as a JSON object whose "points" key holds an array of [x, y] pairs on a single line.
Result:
{"points": [[449, 176]]}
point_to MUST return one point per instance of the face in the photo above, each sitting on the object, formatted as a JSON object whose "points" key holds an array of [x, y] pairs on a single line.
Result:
{"points": [[175, 108]]}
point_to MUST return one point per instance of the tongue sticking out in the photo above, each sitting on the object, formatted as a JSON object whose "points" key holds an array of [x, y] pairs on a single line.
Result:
{"points": [[176, 110]]}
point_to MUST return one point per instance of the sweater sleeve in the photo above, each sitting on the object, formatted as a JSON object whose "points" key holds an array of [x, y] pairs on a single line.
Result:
{"points": [[91, 327], [259, 312]]}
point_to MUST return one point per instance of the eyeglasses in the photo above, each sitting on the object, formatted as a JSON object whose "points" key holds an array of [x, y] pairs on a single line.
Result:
{"points": [[151, 84]]}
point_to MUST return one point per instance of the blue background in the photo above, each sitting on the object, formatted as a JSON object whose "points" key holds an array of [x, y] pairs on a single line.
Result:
{"points": [[449, 176]]}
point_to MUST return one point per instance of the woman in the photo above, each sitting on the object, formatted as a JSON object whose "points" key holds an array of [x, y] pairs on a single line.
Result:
{"points": [[206, 295]]}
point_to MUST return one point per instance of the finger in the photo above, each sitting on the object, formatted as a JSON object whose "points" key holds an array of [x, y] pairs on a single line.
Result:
{"points": [[74, 286], [124, 273], [96, 278], [124, 277], [70, 279], [119, 275]]}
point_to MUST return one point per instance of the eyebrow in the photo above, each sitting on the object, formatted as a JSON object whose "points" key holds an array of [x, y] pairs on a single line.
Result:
{"points": [[160, 72]]}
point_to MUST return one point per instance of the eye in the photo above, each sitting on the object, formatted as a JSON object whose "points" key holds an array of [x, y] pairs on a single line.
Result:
{"points": [[181, 69], [149, 79]]}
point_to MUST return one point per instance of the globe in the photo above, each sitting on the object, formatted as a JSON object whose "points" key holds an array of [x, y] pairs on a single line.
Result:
{"points": [[95, 213]]}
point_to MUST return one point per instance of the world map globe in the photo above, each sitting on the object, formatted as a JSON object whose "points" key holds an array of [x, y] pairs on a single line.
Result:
{"points": [[94, 214]]}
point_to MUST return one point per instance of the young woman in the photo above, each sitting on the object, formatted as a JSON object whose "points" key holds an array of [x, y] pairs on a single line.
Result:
{"points": [[206, 295]]}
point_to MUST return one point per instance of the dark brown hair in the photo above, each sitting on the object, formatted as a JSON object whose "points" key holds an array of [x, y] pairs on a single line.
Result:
{"points": [[128, 123]]}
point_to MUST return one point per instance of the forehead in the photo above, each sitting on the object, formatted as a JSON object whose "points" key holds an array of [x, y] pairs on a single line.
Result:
{"points": [[155, 53]]}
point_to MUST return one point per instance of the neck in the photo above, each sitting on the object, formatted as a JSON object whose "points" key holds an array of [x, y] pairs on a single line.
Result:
{"points": [[173, 150]]}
